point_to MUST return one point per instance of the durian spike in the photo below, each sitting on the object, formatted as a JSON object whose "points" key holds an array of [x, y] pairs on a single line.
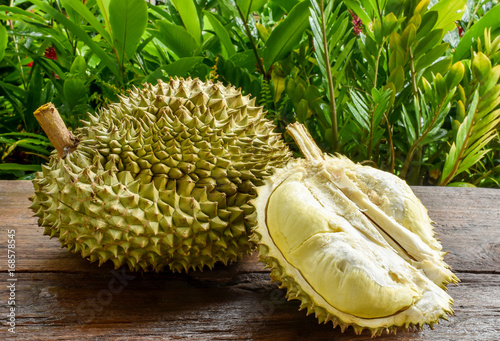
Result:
{"points": [[305, 142], [51, 122]]}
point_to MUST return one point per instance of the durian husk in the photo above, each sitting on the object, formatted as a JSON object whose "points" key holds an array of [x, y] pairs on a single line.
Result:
{"points": [[351, 242], [162, 179]]}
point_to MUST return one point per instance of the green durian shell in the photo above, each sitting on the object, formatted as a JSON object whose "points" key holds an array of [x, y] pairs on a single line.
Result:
{"points": [[162, 179]]}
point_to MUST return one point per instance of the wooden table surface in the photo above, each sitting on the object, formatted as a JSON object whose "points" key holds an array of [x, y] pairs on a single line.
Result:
{"points": [[60, 296]]}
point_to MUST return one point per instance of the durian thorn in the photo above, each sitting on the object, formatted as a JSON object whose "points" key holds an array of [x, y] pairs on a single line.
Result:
{"points": [[51, 122]]}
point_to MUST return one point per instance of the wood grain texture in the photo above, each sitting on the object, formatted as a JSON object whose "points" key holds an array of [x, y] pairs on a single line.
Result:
{"points": [[61, 296]]}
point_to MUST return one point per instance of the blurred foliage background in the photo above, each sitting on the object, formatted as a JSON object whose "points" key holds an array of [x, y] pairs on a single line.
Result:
{"points": [[405, 86]]}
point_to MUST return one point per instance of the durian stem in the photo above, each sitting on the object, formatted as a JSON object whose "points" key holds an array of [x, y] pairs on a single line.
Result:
{"points": [[305, 141], [51, 122]]}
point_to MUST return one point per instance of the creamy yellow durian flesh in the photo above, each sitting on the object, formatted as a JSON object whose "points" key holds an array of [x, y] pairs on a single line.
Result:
{"points": [[353, 243]]}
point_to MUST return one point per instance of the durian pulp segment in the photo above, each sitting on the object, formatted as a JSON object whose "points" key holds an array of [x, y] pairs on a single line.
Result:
{"points": [[409, 244], [394, 197]]}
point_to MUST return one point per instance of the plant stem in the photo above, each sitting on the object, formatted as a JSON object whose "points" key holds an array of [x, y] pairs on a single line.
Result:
{"points": [[51, 122], [376, 64], [331, 90], [260, 63], [413, 178], [409, 156], [391, 144]]}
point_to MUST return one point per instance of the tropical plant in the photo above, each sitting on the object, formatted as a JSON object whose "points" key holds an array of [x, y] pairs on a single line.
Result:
{"points": [[407, 87]]}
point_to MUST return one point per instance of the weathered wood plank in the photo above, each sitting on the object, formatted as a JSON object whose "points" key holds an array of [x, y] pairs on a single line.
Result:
{"points": [[244, 307], [468, 225], [61, 296]]}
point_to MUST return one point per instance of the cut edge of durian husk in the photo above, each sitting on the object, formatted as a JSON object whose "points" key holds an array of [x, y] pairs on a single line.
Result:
{"points": [[273, 260]]}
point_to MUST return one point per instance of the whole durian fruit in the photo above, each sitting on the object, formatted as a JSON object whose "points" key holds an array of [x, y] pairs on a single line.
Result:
{"points": [[352, 243], [162, 178]]}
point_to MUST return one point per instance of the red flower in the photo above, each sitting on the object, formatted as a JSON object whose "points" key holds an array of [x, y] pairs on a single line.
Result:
{"points": [[30, 64], [357, 24], [50, 53], [460, 31]]}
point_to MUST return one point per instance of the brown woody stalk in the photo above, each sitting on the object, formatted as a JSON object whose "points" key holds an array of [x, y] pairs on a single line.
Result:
{"points": [[51, 122]]}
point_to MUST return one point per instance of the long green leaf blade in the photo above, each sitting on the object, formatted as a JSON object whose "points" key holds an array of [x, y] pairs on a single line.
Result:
{"points": [[189, 16], [222, 34], [177, 39], [82, 10], [3, 41], [104, 8], [128, 19], [287, 34], [19, 167], [448, 11]]}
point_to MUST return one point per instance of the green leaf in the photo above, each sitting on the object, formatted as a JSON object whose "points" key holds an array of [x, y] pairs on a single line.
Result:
{"points": [[396, 59], [287, 35], [79, 67], [104, 8], [409, 126], [490, 19], [408, 36], [83, 11], [472, 160], [449, 11], [490, 80], [377, 32], [41, 138], [391, 22], [481, 65], [451, 159], [177, 39], [455, 75], [487, 123], [433, 38], [340, 61], [359, 110], [440, 66], [460, 184], [278, 85], [75, 91], [440, 84], [431, 56], [397, 77], [3, 41], [302, 110], [428, 21], [433, 136], [489, 100], [19, 167], [189, 15], [181, 66], [128, 19], [263, 32], [222, 34]]}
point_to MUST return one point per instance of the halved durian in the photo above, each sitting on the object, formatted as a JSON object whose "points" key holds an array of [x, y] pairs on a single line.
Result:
{"points": [[351, 242]]}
